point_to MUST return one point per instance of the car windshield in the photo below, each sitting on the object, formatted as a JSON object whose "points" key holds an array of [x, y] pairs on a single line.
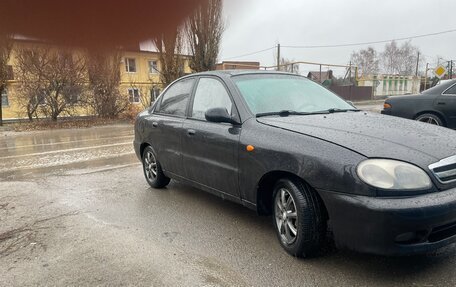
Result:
{"points": [[270, 94]]}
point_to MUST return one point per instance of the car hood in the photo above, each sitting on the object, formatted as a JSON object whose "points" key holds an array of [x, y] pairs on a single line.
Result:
{"points": [[374, 135]]}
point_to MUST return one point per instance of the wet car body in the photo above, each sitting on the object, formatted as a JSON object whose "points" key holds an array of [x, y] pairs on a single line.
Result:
{"points": [[439, 101], [322, 150]]}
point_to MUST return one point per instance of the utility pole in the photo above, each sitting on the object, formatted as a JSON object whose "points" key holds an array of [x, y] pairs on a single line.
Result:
{"points": [[278, 57], [450, 70], [425, 76], [417, 62]]}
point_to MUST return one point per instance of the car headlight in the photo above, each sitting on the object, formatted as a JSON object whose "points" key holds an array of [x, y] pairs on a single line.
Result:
{"points": [[393, 174]]}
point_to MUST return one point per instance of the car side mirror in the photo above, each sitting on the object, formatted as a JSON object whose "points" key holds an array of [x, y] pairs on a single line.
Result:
{"points": [[219, 115]]}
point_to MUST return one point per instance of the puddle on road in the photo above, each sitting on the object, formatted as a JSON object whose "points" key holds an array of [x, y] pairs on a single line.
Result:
{"points": [[60, 151]]}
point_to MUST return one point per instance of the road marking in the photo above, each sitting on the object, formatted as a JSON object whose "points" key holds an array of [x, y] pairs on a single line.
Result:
{"points": [[65, 142], [54, 164], [102, 169], [66, 150]]}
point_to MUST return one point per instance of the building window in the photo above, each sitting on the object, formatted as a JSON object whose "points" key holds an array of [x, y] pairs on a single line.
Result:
{"points": [[133, 95], [405, 85], [5, 101], [130, 65], [153, 67], [154, 93]]}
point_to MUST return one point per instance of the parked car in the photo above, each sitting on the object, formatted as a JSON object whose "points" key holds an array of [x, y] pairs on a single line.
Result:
{"points": [[436, 105], [284, 146]]}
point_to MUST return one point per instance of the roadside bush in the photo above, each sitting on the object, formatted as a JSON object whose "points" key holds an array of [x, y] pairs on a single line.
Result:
{"points": [[131, 112]]}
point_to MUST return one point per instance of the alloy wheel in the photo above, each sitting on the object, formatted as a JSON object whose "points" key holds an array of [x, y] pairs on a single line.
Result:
{"points": [[286, 216], [150, 166], [429, 120]]}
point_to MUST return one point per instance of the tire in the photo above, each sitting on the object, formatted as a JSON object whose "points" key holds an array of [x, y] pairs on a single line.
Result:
{"points": [[430, 119], [305, 222], [152, 169]]}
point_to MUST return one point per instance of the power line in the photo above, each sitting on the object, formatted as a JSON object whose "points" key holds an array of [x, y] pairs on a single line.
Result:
{"points": [[344, 45], [369, 43], [252, 53]]}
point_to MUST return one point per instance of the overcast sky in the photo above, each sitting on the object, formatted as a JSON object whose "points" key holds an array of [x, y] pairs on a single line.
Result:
{"points": [[254, 25]]}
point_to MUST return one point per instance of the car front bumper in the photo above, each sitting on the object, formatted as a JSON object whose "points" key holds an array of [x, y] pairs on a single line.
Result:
{"points": [[392, 226], [137, 147]]}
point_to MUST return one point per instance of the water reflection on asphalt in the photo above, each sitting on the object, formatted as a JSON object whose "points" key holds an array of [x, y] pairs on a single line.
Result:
{"points": [[58, 150]]}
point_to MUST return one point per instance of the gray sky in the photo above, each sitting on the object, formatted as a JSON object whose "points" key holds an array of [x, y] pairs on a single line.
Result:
{"points": [[254, 25]]}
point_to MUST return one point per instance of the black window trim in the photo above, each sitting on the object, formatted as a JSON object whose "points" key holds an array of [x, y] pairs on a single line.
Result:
{"points": [[190, 106], [444, 92]]}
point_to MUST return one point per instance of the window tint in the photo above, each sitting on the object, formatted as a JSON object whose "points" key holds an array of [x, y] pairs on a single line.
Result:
{"points": [[451, 91], [210, 94], [174, 101]]}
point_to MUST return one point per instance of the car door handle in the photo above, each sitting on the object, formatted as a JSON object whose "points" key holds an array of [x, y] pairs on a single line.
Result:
{"points": [[441, 103], [155, 124], [190, 132]]}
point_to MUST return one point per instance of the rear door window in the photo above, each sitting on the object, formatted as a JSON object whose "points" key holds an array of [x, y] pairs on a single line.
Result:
{"points": [[175, 100], [451, 90]]}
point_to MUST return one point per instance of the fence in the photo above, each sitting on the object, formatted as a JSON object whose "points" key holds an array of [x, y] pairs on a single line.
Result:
{"points": [[353, 93]]}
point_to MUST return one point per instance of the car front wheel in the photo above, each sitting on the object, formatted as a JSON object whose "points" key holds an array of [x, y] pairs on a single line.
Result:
{"points": [[298, 219], [152, 169]]}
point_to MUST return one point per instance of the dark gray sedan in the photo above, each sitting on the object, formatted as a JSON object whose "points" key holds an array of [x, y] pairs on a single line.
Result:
{"points": [[435, 106], [283, 145]]}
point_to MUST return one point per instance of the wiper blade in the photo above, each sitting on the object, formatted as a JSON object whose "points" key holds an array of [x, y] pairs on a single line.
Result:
{"points": [[335, 110], [284, 113]]}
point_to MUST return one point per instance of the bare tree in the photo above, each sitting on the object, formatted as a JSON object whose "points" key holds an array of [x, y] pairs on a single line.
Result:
{"points": [[51, 81], [204, 30], [104, 80], [287, 65], [399, 59], [366, 60], [170, 49], [6, 45]]}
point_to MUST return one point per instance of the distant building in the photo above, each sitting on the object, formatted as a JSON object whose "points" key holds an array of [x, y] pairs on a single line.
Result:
{"points": [[237, 65], [321, 77], [139, 77], [391, 85]]}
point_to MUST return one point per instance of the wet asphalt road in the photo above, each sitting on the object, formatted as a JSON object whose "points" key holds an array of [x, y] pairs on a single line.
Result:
{"points": [[76, 210]]}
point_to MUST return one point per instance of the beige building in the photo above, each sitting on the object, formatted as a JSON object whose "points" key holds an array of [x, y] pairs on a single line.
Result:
{"points": [[391, 85], [140, 79], [237, 65]]}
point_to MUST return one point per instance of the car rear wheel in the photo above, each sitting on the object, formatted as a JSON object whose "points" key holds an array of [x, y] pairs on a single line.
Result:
{"points": [[298, 220], [430, 119], [152, 169]]}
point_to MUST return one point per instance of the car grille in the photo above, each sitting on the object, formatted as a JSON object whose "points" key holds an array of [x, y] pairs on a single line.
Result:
{"points": [[445, 170], [442, 232]]}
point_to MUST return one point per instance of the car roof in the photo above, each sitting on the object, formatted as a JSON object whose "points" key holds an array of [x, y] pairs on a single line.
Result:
{"points": [[438, 89], [240, 72]]}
